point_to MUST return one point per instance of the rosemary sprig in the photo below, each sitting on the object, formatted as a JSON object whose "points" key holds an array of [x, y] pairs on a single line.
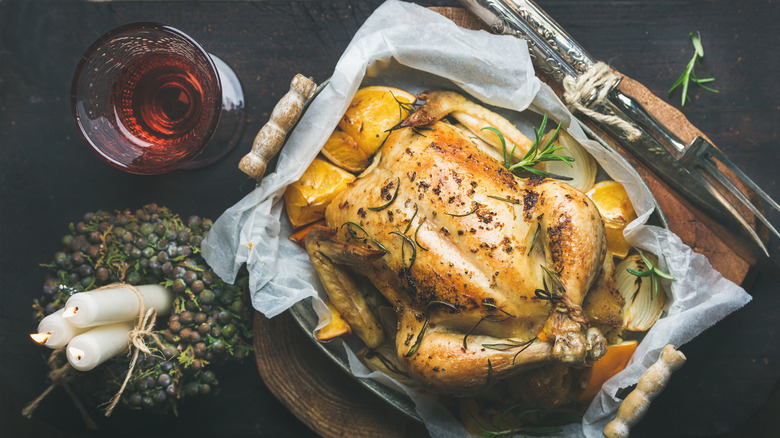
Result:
{"points": [[507, 200], [354, 235], [689, 75], [494, 307], [651, 271], [418, 130], [409, 225], [511, 343], [491, 318], [427, 314], [418, 342], [411, 242], [546, 294], [395, 195], [536, 154], [507, 157], [403, 107], [389, 364], [476, 207], [554, 279], [417, 230], [536, 236]]}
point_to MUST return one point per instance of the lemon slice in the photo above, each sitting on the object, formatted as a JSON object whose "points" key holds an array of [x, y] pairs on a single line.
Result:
{"points": [[614, 360], [615, 207], [372, 113], [343, 151], [307, 198], [337, 326]]}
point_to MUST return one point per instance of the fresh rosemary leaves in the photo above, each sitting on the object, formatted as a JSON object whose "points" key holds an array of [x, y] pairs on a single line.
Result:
{"points": [[353, 235], [689, 75], [409, 240], [427, 314], [395, 195], [651, 271], [536, 236], [473, 210], [537, 154], [489, 318]]}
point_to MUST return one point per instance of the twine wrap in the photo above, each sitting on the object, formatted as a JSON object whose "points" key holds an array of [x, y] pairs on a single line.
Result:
{"points": [[142, 330], [596, 80]]}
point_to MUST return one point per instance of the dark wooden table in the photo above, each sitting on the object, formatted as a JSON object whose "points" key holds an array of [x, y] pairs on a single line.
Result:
{"points": [[48, 178]]}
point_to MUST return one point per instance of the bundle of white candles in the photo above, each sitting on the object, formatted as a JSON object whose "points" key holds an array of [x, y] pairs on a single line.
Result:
{"points": [[95, 325]]}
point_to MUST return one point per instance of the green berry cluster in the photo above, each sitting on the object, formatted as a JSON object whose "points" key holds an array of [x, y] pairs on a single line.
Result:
{"points": [[210, 322]]}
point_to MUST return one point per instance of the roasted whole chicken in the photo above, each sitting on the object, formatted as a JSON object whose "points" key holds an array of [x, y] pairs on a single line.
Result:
{"points": [[490, 274]]}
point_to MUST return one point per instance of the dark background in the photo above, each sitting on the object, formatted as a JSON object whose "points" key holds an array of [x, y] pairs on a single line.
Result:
{"points": [[49, 178]]}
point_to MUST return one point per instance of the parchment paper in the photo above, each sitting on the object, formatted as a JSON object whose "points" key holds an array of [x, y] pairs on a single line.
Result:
{"points": [[413, 48]]}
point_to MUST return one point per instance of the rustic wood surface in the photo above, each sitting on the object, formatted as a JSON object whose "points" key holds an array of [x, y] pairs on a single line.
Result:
{"points": [[49, 178]]}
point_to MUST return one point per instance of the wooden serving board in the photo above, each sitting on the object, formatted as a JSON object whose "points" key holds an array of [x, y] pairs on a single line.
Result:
{"points": [[333, 404], [317, 391]]}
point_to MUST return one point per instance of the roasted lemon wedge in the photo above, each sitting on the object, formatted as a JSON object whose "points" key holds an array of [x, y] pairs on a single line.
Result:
{"points": [[307, 198], [372, 113], [615, 207], [343, 151], [614, 361]]}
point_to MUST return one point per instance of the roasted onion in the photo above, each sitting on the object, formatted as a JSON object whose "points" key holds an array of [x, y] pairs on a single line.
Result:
{"points": [[583, 169], [642, 308]]}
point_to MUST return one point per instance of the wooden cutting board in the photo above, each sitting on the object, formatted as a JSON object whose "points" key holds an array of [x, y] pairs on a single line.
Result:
{"points": [[332, 404]]}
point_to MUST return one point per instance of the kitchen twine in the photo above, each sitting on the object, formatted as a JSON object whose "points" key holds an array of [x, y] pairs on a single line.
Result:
{"points": [[64, 374], [595, 79], [142, 330]]}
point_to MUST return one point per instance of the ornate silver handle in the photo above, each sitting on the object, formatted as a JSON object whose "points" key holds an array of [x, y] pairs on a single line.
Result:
{"points": [[553, 51]]}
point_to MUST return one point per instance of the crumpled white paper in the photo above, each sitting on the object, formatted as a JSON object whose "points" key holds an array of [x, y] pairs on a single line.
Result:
{"points": [[413, 48]]}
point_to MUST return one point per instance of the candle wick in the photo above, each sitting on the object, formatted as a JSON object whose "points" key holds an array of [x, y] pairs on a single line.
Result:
{"points": [[76, 353], [70, 312]]}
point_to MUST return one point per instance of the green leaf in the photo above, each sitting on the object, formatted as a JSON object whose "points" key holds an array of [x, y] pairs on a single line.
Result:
{"points": [[476, 207], [395, 195], [507, 160], [677, 84], [638, 273], [411, 242], [696, 40], [662, 274], [417, 230], [689, 74]]}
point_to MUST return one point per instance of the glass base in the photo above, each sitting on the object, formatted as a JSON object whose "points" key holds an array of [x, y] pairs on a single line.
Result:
{"points": [[232, 119]]}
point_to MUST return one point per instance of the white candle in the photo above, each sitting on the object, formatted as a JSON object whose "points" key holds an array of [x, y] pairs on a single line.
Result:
{"points": [[54, 331], [91, 348], [98, 307]]}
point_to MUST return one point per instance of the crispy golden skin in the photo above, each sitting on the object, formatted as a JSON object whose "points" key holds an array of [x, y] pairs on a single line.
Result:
{"points": [[460, 263]]}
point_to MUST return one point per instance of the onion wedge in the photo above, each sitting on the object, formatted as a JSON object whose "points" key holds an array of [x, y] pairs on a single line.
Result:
{"points": [[642, 309], [583, 169]]}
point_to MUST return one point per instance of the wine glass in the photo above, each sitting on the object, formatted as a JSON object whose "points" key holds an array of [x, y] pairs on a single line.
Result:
{"points": [[149, 99]]}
